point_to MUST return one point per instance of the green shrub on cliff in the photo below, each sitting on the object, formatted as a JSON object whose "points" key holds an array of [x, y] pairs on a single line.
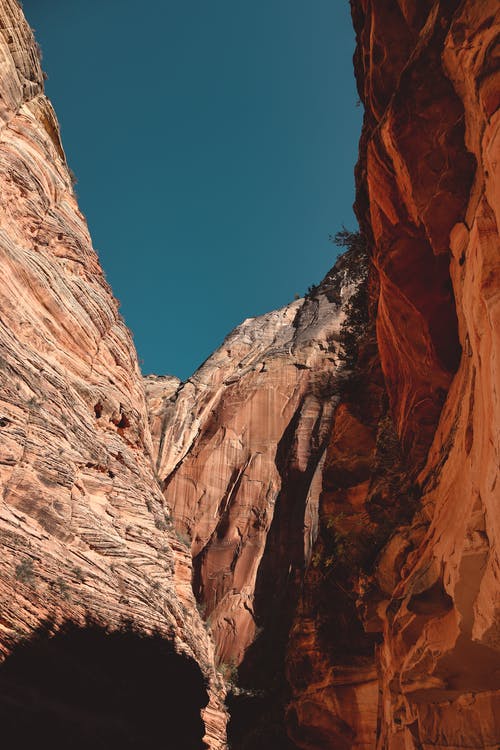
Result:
{"points": [[355, 261], [25, 572]]}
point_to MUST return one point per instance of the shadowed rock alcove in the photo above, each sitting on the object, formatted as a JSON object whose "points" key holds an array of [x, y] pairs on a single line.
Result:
{"points": [[87, 688]]}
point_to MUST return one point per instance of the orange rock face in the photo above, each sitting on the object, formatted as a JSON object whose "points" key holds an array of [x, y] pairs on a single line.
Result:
{"points": [[339, 524], [388, 614], [429, 194], [82, 520], [240, 449]]}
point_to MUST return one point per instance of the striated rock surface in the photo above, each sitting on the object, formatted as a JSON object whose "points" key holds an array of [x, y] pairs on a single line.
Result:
{"points": [[331, 471], [356, 552], [240, 447], [82, 520], [429, 197], [406, 652]]}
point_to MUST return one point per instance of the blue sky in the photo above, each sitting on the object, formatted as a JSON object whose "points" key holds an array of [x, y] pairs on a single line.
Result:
{"points": [[214, 143]]}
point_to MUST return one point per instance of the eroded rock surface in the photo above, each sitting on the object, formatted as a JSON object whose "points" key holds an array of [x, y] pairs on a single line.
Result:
{"points": [[240, 448], [82, 523], [343, 520], [428, 194], [388, 613]]}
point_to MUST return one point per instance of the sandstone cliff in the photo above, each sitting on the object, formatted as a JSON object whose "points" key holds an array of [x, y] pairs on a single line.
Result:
{"points": [[240, 448], [82, 519], [346, 537], [332, 470], [406, 653], [428, 195]]}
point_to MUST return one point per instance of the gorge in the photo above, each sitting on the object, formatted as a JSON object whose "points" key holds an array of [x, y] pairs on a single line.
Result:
{"points": [[300, 543]]}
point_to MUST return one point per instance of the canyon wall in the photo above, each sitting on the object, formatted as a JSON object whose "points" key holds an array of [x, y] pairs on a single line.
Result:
{"points": [[324, 490], [345, 539], [82, 517], [240, 447], [428, 197], [406, 653]]}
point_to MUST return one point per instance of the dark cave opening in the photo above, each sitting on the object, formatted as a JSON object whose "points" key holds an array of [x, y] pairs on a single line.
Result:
{"points": [[85, 687]]}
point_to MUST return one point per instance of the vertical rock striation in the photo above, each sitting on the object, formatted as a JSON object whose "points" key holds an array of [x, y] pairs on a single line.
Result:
{"points": [[388, 611], [331, 471], [428, 195], [240, 448]]}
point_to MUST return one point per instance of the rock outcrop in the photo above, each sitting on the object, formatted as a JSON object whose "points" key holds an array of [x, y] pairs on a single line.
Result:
{"points": [[240, 448], [82, 518], [383, 615], [428, 195], [326, 483], [406, 653]]}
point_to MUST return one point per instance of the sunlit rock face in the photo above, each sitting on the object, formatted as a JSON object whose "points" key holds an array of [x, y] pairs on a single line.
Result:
{"points": [[82, 523], [428, 194], [367, 514], [240, 448], [343, 523]]}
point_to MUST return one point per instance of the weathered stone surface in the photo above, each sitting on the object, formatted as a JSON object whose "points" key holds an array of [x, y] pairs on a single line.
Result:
{"points": [[82, 521], [428, 193], [243, 441], [344, 532], [391, 624]]}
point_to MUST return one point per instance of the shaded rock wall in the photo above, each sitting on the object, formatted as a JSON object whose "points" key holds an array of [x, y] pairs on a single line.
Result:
{"points": [[344, 530], [240, 448], [428, 195], [388, 625], [87, 687], [424, 673], [82, 524]]}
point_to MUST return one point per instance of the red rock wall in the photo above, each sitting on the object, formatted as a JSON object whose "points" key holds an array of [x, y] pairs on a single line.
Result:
{"points": [[391, 633], [240, 448], [344, 534], [428, 194], [428, 201]]}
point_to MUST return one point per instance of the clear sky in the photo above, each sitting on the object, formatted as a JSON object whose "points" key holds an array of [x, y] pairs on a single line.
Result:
{"points": [[214, 143]]}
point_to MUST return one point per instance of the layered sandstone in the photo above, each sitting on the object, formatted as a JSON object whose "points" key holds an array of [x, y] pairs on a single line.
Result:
{"points": [[341, 509], [428, 194], [407, 654], [240, 448], [389, 613], [82, 518]]}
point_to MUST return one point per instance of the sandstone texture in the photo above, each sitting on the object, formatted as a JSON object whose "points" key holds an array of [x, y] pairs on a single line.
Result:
{"points": [[324, 490], [428, 197], [239, 448], [345, 537], [82, 517]]}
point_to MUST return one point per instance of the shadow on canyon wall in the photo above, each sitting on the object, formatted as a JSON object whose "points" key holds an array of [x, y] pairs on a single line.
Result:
{"points": [[88, 688]]}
